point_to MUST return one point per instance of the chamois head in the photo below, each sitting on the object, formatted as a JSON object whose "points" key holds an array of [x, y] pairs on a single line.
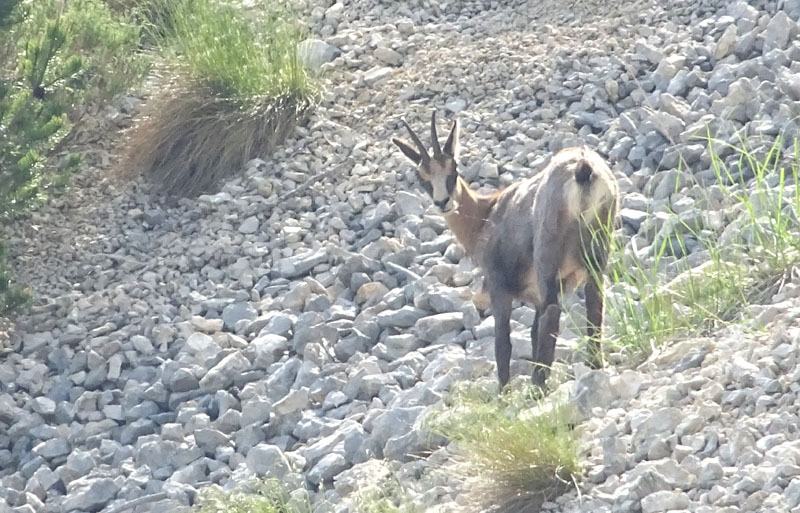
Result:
{"points": [[436, 172]]}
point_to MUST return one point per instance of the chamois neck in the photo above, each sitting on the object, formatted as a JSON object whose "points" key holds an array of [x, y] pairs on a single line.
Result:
{"points": [[468, 219]]}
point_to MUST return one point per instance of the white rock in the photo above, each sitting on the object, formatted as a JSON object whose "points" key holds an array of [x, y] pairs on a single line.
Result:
{"points": [[249, 225]]}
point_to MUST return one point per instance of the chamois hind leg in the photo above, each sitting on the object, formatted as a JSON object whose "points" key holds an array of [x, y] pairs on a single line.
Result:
{"points": [[595, 259], [544, 334], [501, 309], [594, 320]]}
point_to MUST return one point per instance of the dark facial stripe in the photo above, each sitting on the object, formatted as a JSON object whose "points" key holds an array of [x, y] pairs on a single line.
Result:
{"points": [[427, 186], [451, 183]]}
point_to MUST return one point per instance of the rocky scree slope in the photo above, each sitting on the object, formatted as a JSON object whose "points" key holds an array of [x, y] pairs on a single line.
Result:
{"points": [[233, 335]]}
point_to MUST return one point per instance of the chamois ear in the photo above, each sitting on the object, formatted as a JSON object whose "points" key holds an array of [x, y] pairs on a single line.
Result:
{"points": [[451, 147], [407, 150]]}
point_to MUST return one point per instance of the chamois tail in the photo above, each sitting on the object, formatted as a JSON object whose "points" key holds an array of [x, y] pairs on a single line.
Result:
{"points": [[583, 173]]}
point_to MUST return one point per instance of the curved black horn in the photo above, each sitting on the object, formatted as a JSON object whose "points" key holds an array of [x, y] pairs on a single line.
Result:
{"points": [[421, 147], [437, 150]]}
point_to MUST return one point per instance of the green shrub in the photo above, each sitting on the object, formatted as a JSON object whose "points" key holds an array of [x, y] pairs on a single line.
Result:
{"points": [[236, 94], [519, 447], [55, 56]]}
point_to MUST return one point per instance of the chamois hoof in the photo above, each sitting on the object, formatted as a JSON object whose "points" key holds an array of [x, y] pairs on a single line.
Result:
{"points": [[539, 375]]}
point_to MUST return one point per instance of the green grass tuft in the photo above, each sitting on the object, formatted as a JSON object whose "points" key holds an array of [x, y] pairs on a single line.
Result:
{"points": [[743, 260], [214, 43], [521, 447]]}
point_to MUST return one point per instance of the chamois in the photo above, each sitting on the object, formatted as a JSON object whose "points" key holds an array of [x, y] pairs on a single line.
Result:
{"points": [[534, 240]]}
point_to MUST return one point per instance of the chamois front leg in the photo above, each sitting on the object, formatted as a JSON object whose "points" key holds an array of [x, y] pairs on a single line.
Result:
{"points": [[594, 317], [544, 334], [501, 309]]}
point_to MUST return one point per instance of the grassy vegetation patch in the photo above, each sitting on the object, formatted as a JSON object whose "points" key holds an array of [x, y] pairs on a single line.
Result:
{"points": [[269, 496], [192, 138], [382, 493], [748, 234], [238, 91], [518, 448]]}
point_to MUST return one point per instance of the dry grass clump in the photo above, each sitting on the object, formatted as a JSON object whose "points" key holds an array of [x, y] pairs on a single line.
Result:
{"points": [[241, 89], [190, 138]]}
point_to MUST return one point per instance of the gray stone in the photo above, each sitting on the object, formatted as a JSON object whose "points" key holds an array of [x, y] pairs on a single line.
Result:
{"points": [[52, 448], [209, 326], [89, 494], [280, 324], [614, 455], [726, 42], [314, 53], [349, 438], [300, 265], [456, 105], [792, 493], [663, 420], [256, 410], [335, 399], [377, 74], [633, 218], [393, 423], [44, 406], [201, 344], [778, 32], [388, 56], [142, 344], [370, 292], [296, 298], [400, 345], [667, 125], [327, 468], [249, 225], [236, 312], [432, 327], [157, 453], [78, 464], [593, 390], [295, 400], [223, 373], [193, 473], [666, 70], [402, 318], [408, 204], [183, 380], [665, 500], [267, 461], [268, 349], [210, 439], [412, 445]]}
